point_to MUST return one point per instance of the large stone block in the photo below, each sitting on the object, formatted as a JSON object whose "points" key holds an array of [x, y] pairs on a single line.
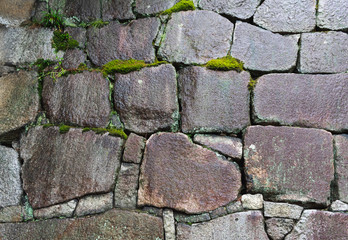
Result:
{"points": [[341, 146], [332, 14], [84, 10], [178, 174], [319, 101], [213, 101], [14, 12], [147, 99], [289, 164], [262, 50], [117, 9], [196, 37], [148, 7], [60, 167]]}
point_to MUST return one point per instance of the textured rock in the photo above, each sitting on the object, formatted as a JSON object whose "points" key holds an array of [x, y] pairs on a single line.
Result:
{"points": [[277, 228], [289, 164], [242, 226], [339, 206], [85, 10], [148, 7], [60, 210], [316, 224], [4, 70], [178, 174], [341, 146], [79, 34], [303, 100], [229, 146], [133, 149], [127, 186], [282, 210], [94, 204], [221, 211], [286, 16], [153, 211], [235, 8], [14, 12], [73, 58], [213, 101], [169, 224], [332, 14], [114, 224], [188, 38], [234, 207], [117, 9], [323, 52], [262, 50], [118, 41], [80, 99], [192, 218], [10, 182], [254, 202], [60, 167], [146, 100], [19, 102], [11, 214]]}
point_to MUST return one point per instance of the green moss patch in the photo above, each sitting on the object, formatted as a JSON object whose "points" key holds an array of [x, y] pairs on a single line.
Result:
{"points": [[183, 5], [225, 64], [252, 84], [64, 128], [111, 131], [98, 23], [63, 41]]}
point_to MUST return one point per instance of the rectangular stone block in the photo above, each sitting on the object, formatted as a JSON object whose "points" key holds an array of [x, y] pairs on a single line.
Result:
{"points": [[282, 210], [341, 145], [133, 149]]}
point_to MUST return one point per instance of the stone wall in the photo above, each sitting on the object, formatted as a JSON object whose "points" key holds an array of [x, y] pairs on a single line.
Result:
{"points": [[163, 146]]}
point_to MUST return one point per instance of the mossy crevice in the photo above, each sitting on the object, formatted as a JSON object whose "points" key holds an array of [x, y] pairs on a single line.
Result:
{"points": [[63, 41], [227, 63], [99, 23], [183, 5]]}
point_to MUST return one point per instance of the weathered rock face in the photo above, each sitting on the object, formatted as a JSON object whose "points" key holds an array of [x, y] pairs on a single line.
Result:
{"points": [[10, 180], [94, 204], [146, 100], [147, 7], [19, 102], [118, 41], [11, 214], [213, 101], [117, 9], [262, 50], [188, 37], [332, 14], [79, 34], [289, 164], [133, 149], [303, 100], [80, 99], [59, 167], [341, 145], [85, 10], [178, 174], [316, 224], [339, 206], [243, 226], [73, 58], [277, 228], [60, 210], [282, 210], [14, 12], [250, 201], [114, 224], [324, 52]]}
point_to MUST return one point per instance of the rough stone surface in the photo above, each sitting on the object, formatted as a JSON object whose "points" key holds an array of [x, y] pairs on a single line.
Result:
{"points": [[277, 228], [341, 145], [289, 164], [73, 58], [114, 224], [169, 224], [234, 207], [262, 50], [286, 16], [19, 102], [229, 146], [339, 206], [118, 41], [221, 211], [11, 214], [149, 7], [60, 167], [250, 201], [213, 101], [4, 70], [127, 186], [10, 182], [332, 14], [282, 210], [80, 99], [196, 37], [14, 12], [85, 10], [117, 9], [323, 52], [154, 211], [192, 218], [178, 174], [94, 204], [79, 34], [303, 100], [60, 210], [147, 99], [235, 8], [316, 224], [133, 149], [242, 226]]}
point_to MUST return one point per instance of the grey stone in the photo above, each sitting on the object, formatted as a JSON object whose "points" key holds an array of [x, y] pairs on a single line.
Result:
{"points": [[73, 58], [213, 101], [250, 201], [147, 99], [289, 164], [60, 210], [188, 37], [339, 206], [60, 167], [80, 99], [117, 9], [11, 214], [84, 10], [221, 211], [323, 52], [235, 8], [262, 50], [332, 14], [127, 186], [195, 218], [241, 226], [234, 207], [286, 16], [4, 70], [79, 34], [169, 224], [303, 100], [341, 146], [133, 149], [229, 146], [118, 41], [277, 228], [14, 12], [10, 180], [94, 204], [282, 210], [149, 7]]}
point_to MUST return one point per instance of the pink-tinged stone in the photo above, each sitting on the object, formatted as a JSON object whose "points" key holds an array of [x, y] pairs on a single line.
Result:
{"points": [[341, 145], [73, 58], [178, 174], [133, 149]]}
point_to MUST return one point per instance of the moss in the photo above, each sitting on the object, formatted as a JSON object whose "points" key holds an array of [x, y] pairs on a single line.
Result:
{"points": [[63, 41], [53, 19], [98, 23], [82, 67], [225, 64], [123, 66], [42, 64], [183, 5], [157, 63], [112, 131], [48, 125], [252, 84], [64, 128]]}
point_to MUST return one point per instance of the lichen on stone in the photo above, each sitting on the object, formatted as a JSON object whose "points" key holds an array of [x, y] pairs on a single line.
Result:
{"points": [[183, 5], [225, 64]]}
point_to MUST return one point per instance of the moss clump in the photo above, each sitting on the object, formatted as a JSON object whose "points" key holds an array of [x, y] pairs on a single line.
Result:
{"points": [[42, 64], [157, 63], [64, 128], [111, 131], [183, 5], [48, 125], [225, 64], [63, 41], [98, 23], [123, 66], [252, 84]]}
